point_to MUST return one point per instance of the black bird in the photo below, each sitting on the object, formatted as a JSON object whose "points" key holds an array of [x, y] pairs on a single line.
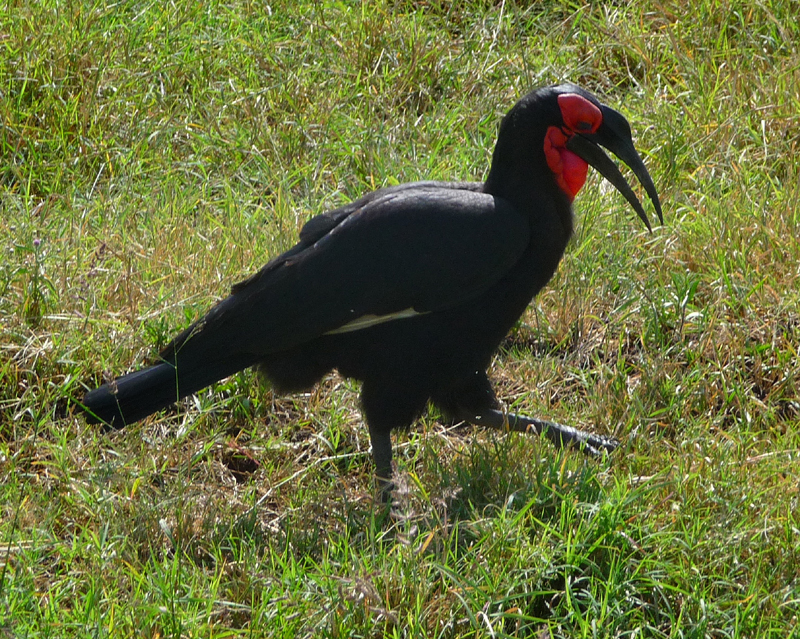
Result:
{"points": [[409, 289]]}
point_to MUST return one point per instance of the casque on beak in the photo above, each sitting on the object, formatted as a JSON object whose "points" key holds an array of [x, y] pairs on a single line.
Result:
{"points": [[615, 135]]}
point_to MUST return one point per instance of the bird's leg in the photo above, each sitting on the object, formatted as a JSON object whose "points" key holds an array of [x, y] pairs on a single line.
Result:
{"points": [[387, 406], [562, 436], [382, 455]]}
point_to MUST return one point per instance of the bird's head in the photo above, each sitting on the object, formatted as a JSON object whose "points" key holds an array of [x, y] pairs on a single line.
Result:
{"points": [[567, 126]]}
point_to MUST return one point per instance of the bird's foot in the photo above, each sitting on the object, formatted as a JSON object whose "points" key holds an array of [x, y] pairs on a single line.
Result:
{"points": [[385, 489], [562, 436]]}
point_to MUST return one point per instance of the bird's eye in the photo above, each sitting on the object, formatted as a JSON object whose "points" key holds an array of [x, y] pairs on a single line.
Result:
{"points": [[579, 114]]}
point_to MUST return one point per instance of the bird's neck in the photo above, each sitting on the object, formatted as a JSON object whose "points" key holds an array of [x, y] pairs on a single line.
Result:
{"points": [[534, 193]]}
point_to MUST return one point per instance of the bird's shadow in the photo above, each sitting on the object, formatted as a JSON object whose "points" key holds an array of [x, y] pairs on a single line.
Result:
{"points": [[497, 473], [436, 492]]}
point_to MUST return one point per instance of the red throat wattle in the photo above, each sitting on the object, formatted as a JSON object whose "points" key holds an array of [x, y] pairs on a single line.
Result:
{"points": [[579, 116]]}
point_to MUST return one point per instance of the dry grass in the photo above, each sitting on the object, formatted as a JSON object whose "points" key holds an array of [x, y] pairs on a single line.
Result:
{"points": [[152, 155]]}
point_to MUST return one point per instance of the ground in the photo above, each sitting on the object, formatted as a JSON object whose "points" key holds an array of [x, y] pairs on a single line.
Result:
{"points": [[153, 154]]}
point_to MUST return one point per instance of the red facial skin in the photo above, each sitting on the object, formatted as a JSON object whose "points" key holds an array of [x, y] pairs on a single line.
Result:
{"points": [[579, 116]]}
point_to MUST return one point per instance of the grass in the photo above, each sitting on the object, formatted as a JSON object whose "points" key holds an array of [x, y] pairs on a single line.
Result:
{"points": [[152, 154]]}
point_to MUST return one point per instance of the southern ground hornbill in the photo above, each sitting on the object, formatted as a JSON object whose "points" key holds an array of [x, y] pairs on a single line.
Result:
{"points": [[409, 289]]}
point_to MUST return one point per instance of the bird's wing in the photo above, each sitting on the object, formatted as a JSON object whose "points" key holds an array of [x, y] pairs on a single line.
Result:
{"points": [[319, 226], [401, 252]]}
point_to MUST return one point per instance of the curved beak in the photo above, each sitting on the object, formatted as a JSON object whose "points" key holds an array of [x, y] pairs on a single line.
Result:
{"points": [[615, 135]]}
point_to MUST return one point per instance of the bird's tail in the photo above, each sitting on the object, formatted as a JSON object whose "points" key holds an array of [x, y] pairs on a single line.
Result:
{"points": [[132, 397]]}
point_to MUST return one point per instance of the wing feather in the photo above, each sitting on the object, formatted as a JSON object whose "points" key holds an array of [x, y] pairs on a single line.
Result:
{"points": [[405, 251]]}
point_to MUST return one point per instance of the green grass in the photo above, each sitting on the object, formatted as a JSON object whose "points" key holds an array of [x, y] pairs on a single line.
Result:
{"points": [[152, 154]]}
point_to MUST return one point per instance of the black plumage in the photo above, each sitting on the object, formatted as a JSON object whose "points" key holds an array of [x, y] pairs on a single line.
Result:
{"points": [[409, 289]]}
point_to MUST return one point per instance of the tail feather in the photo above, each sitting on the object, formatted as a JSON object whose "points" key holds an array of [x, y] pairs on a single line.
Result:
{"points": [[132, 397], [206, 352]]}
